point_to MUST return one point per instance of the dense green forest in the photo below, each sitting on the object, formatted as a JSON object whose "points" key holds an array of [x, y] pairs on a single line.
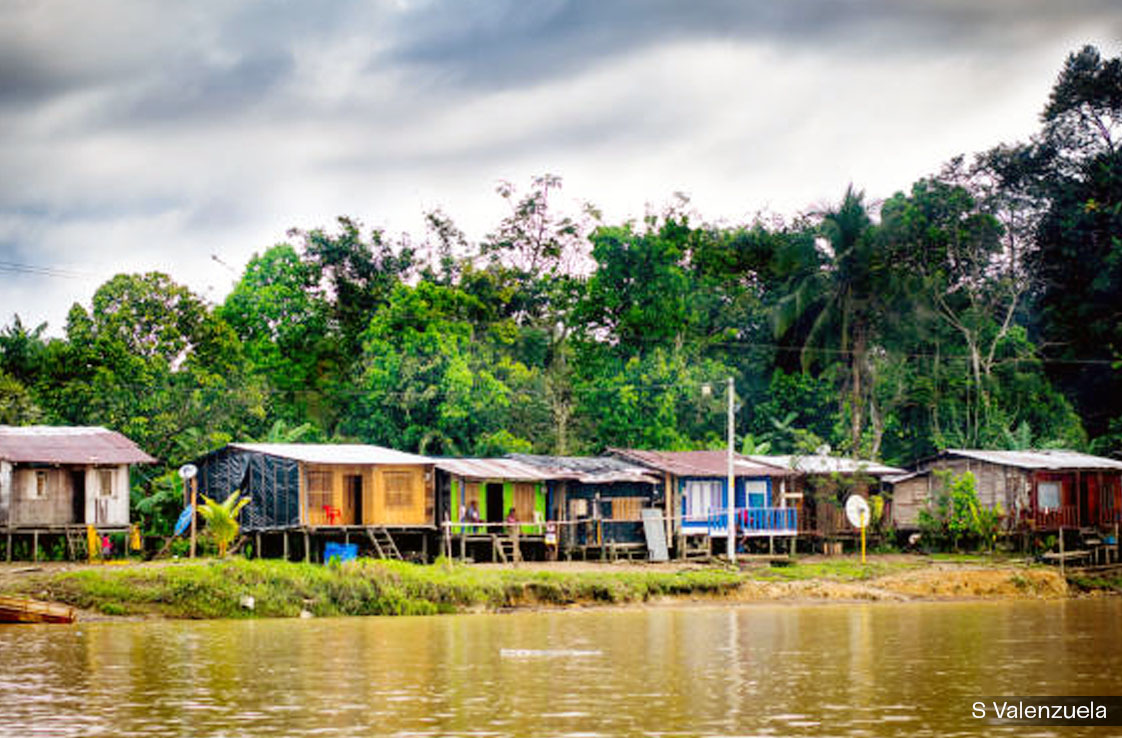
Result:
{"points": [[981, 308]]}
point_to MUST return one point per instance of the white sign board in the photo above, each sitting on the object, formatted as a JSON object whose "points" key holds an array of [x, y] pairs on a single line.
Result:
{"points": [[857, 510], [187, 471]]}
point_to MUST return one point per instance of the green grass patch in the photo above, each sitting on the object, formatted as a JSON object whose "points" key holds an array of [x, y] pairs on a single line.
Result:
{"points": [[215, 589], [1093, 583], [836, 570]]}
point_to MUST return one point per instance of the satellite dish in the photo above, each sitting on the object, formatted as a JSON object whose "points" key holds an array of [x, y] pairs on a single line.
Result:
{"points": [[187, 471], [857, 511]]}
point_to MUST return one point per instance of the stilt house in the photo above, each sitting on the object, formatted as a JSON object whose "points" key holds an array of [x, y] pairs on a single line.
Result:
{"points": [[55, 477], [822, 483], [598, 500], [696, 485], [1037, 490], [298, 485]]}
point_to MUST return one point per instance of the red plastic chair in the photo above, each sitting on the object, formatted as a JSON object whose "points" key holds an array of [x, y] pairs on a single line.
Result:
{"points": [[332, 514]]}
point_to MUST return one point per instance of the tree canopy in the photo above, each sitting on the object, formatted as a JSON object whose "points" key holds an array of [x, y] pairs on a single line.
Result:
{"points": [[978, 308]]}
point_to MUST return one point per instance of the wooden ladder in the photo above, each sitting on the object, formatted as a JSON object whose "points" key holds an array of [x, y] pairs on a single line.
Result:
{"points": [[384, 546], [77, 544], [507, 548]]}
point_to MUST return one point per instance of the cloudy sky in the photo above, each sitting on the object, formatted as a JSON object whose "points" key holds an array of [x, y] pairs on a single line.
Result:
{"points": [[137, 135]]}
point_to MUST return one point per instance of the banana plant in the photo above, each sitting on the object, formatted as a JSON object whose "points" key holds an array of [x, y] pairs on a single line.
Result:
{"points": [[222, 518]]}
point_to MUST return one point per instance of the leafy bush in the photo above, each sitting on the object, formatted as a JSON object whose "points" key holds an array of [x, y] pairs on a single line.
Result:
{"points": [[954, 515]]}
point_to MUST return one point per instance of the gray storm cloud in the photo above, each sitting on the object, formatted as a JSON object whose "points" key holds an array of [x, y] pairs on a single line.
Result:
{"points": [[152, 136]]}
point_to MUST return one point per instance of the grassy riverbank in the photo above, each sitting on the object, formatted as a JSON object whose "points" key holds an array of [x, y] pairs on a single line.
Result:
{"points": [[218, 589]]}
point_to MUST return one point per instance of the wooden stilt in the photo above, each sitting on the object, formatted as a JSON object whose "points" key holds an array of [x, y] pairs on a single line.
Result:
{"points": [[286, 545], [463, 545], [307, 548], [9, 547], [34, 545], [257, 545], [1061, 550], [425, 547]]}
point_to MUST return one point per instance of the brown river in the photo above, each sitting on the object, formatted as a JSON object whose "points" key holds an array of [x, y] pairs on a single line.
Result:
{"points": [[839, 669]]}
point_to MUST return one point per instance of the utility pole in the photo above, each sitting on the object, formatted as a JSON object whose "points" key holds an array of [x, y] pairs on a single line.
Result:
{"points": [[732, 479], [194, 512]]}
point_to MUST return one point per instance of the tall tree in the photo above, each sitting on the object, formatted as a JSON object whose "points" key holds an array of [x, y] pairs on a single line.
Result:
{"points": [[837, 309], [1077, 260]]}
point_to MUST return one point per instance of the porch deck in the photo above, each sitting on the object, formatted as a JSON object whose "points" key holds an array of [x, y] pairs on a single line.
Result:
{"points": [[749, 521]]}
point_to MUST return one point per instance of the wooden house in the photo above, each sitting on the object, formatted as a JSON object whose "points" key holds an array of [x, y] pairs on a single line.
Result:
{"points": [[695, 485], [598, 501], [323, 486], [57, 477], [1040, 490], [821, 485], [493, 488]]}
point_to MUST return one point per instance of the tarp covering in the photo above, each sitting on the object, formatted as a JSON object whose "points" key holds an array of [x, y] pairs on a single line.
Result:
{"points": [[272, 483]]}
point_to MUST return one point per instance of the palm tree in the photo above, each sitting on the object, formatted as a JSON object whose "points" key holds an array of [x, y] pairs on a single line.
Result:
{"points": [[835, 308]]}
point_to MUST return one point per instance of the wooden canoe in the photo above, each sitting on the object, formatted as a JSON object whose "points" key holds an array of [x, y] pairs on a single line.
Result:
{"points": [[22, 610]]}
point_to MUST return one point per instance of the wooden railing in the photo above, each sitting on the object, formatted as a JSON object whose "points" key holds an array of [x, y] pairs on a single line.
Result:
{"points": [[1109, 517], [757, 521], [1066, 516]]}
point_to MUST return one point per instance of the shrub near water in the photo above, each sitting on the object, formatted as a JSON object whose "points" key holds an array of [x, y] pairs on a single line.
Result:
{"points": [[364, 587]]}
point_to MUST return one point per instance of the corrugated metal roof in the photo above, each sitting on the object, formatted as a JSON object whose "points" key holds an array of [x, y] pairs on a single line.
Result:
{"points": [[330, 453], [494, 469], [44, 444], [1044, 459], [700, 463], [819, 464], [897, 478], [613, 477], [589, 469]]}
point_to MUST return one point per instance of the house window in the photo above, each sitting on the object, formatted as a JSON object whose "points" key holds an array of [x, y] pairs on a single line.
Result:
{"points": [[39, 488], [1048, 495], [703, 498], [399, 489], [319, 490], [105, 482], [757, 493], [578, 508], [627, 508]]}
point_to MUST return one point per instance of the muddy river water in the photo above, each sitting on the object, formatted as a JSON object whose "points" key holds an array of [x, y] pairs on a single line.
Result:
{"points": [[839, 669]]}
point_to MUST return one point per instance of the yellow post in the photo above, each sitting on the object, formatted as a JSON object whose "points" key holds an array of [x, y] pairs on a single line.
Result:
{"points": [[194, 513], [864, 517], [93, 543]]}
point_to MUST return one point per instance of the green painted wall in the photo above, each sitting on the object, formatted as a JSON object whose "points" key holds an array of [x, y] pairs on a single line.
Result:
{"points": [[454, 512]]}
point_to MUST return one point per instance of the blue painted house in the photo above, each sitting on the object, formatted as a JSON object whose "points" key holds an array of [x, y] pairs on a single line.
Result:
{"points": [[697, 482]]}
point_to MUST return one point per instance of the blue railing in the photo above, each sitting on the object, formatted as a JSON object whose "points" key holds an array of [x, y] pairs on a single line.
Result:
{"points": [[758, 521]]}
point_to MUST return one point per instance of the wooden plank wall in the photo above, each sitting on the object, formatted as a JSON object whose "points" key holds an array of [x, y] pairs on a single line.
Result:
{"points": [[381, 504]]}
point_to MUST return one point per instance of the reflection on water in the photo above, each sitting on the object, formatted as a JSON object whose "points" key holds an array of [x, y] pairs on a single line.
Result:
{"points": [[875, 669]]}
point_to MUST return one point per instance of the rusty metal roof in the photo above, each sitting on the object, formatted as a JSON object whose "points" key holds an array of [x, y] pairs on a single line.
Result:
{"points": [[334, 453], [700, 463], [483, 469], [589, 469], [43, 444], [820, 464], [1044, 459]]}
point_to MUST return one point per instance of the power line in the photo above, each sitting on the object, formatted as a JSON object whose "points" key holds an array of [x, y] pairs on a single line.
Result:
{"points": [[12, 267]]}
